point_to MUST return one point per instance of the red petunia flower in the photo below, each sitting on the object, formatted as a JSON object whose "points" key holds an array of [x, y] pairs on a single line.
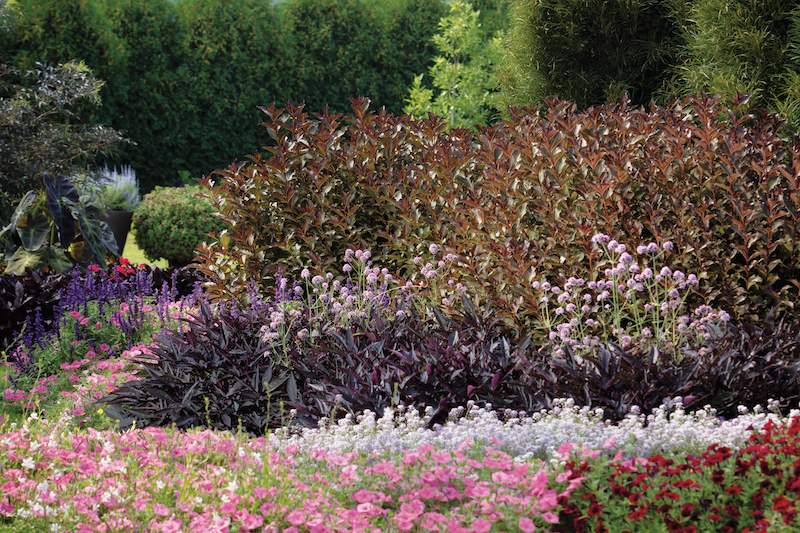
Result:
{"points": [[595, 509]]}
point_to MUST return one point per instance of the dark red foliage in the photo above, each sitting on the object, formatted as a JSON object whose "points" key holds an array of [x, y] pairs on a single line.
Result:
{"points": [[221, 358], [521, 199]]}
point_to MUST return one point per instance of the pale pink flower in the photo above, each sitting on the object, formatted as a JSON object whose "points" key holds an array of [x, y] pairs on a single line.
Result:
{"points": [[481, 525], [550, 517], [160, 509], [526, 525], [173, 525], [296, 517]]}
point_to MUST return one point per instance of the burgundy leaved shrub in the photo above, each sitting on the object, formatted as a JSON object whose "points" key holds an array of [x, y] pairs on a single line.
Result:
{"points": [[521, 200]]}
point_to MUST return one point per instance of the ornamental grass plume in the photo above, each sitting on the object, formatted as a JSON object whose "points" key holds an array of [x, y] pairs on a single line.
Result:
{"points": [[633, 303]]}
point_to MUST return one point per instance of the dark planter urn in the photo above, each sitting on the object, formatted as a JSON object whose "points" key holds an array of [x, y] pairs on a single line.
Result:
{"points": [[120, 224], [178, 263]]}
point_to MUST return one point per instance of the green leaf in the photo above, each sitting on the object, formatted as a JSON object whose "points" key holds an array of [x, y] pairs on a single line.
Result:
{"points": [[33, 229], [21, 209], [58, 260], [23, 259], [96, 233], [60, 190]]}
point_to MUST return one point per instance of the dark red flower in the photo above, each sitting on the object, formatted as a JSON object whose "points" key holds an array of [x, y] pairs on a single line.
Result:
{"points": [[714, 517], [638, 514], [683, 483], [732, 511], [718, 477], [769, 471], [781, 504], [674, 526], [733, 490], [595, 509], [720, 455], [619, 490], [687, 508]]}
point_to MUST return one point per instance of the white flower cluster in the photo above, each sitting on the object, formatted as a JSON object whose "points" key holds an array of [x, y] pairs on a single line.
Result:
{"points": [[667, 431]]}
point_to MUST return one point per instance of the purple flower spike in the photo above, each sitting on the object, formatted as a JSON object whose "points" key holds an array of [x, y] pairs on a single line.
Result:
{"points": [[600, 237], [667, 245]]}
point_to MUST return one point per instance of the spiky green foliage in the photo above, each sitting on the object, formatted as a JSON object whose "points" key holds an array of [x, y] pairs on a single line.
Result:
{"points": [[464, 78], [589, 52], [744, 46]]}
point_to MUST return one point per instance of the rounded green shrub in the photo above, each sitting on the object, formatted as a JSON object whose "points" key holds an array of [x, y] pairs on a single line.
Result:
{"points": [[171, 222]]}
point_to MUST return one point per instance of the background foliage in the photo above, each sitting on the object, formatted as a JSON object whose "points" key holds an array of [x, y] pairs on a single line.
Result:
{"points": [[745, 47], [463, 74], [589, 52], [184, 79]]}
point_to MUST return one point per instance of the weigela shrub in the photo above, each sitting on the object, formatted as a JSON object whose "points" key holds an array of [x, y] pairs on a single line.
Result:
{"points": [[521, 200], [171, 222]]}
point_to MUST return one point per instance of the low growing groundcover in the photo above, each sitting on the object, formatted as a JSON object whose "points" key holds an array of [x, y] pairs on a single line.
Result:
{"points": [[562, 470], [67, 466]]}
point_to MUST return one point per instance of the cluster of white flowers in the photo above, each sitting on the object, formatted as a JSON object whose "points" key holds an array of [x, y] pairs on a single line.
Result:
{"points": [[666, 431]]}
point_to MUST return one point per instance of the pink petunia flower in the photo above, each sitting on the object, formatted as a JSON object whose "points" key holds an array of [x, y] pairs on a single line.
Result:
{"points": [[526, 525]]}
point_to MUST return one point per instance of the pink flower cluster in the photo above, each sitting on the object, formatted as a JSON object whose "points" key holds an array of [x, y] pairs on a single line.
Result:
{"points": [[210, 481]]}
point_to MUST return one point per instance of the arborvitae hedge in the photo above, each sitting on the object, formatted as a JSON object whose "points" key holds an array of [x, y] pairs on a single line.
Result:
{"points": [[59, 31], [184, 80], [144, 97], [589, 52], [236, 58], [744, 47]]}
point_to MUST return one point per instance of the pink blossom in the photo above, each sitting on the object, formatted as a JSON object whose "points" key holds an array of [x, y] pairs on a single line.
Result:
{"points": [[481, 525], [227, 508], [252, 522], [526, 525], [173, 525], [160, 509], [296, 517]]}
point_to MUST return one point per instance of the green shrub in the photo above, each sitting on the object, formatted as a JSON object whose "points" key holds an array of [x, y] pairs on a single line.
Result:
{"points": [[745, 47], [590, 52], [171, 222]]}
